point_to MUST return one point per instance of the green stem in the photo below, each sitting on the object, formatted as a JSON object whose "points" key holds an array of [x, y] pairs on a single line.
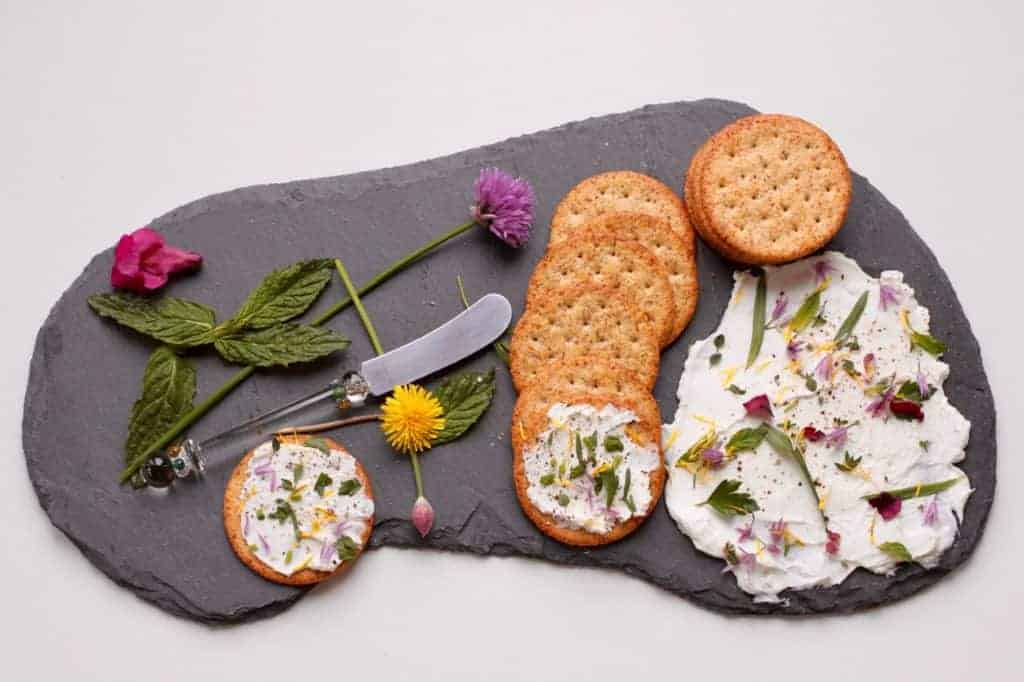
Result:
{"points": [[394, 268], [415, 459], [197, 412], [358, 303]]}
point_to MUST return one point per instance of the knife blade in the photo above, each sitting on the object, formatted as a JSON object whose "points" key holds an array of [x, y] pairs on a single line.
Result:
{"points": [[471, 330]]}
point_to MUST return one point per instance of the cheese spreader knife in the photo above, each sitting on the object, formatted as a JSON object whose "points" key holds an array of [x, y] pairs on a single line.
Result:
{"points": [[471, 330]]}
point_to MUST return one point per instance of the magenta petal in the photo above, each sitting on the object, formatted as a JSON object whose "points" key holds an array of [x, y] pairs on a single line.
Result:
{"points": [[888, 506], [170, 260], [812, 434], [143, 261], [759, 406], [832, 546]]}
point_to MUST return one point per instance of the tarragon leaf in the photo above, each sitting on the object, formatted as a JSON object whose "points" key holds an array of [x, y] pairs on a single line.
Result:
{"points": [[922, 490], [806, 313], [464, 398], [349, 487], [746, 439], [852, 319], [897, 551], [173, 321], [757, 328], [168, 388], [929, 344], [320, 444], [725, 499], [281, 345], [781, 443], [283, 294]]}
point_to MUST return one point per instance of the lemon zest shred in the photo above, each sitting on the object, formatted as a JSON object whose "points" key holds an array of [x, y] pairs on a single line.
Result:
{"points": [[305, 562], [673, 436], [728, 374], [706, 420]]}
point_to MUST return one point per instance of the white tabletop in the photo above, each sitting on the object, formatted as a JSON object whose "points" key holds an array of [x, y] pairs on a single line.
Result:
{"points": [[112, 115]]}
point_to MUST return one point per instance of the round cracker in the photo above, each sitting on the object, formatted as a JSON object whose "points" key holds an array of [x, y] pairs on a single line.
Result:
{"points": [[678, 260], [619, 192], [691, 197], [608, 260], [583, 322], [233, 504], [530, 420], [773, 188]]}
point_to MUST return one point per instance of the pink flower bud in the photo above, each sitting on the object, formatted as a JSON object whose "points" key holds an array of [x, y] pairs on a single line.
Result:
{"points": [[422, 516]]}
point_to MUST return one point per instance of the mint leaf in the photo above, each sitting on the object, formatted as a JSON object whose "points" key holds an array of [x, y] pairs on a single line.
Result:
{"points": [[349, 487], [897, 551], [168, 388], [348, 549], [612, 443], [282, 345], [173, 321], [726, 500], [283, 294], [322, 481], [464, 398]]}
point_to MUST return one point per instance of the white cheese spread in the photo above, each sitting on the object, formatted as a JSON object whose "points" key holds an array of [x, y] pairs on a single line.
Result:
{"points": [[848, 405]]}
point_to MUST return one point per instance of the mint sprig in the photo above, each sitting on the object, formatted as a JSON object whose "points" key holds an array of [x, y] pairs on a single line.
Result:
{"points": [[464, 398], [170, 320], [281, 345], [168, 388]]}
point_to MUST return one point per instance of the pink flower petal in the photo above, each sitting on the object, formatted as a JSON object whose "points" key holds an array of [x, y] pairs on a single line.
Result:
{"points": [[888, 506], [143, 261], [812, 434], [759, 407], [832, 546]]}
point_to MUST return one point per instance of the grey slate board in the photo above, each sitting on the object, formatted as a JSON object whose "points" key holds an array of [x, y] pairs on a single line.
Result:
{"points": [[170, 548]]}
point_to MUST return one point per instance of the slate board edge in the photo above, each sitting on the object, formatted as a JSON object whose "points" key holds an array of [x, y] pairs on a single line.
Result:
{"points": [[908, 581]]}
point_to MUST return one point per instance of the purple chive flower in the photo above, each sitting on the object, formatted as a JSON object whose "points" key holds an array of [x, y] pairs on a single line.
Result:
{"points": [[774, 549], [879, 407], [263, 542], [836, 438], [778, 530], [422, 516], [887, 296], [759, 407], [825, 368], [922, 385], [822, 269], [930, 512], [781, 303], [887, 505], [504, 205], [326, 552], [744, 559], [245, 528], [273, 481], [792, 348], [746, 532], [712, 458]]}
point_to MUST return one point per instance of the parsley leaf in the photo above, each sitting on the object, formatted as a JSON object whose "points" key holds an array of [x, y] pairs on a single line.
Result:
{"points": [[725, 499], [348, 549], [349, 487], [322, 481]]}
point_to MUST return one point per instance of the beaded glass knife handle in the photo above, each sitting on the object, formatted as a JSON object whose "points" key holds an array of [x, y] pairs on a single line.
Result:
{"points": [[466, 333]]}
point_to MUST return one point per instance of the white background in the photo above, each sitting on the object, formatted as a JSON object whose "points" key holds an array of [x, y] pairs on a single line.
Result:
{"points": [[113, 113]]}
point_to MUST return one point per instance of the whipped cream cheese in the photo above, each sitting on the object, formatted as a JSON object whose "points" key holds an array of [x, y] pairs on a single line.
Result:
{"points": [[303, 507], [837, 402], [584, 459]]}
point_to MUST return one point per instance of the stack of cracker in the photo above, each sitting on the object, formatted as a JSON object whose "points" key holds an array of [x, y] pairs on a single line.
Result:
{"points": [[768, 189], [617, 285]]}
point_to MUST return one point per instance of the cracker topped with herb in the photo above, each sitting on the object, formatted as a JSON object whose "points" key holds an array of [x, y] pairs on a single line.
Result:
{"points": [[298, 509], [588, 469]]}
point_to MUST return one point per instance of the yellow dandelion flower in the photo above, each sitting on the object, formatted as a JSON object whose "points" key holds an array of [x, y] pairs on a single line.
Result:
{"points": [[412, 418]]}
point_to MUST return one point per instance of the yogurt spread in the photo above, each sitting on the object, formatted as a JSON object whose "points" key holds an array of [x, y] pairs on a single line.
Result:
{"points": [[847, 380], [303, 506], [586, 471]]}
